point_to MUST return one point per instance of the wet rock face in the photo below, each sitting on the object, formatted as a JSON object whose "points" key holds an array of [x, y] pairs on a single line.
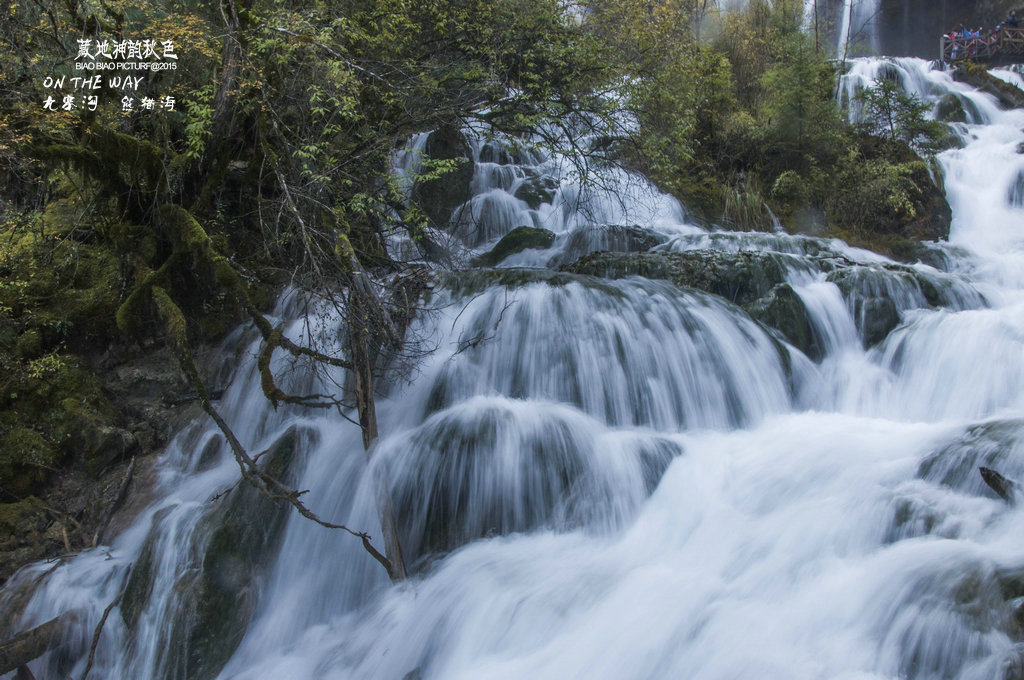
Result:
{"points": [[876, 315], [783, 310], [1009, 96], [997, 444], [1016, 193], [219, 596], [439, 197], [950, 110], [516, 241], [741, 277], [537, 190], [617, 238]]}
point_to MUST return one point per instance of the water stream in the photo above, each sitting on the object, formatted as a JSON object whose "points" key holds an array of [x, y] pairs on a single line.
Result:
{"points": [[618, 478]]}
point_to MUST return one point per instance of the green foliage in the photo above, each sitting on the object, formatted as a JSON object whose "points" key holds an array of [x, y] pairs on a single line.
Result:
{"points": [[898, 116], [802, 121], [27, 460]]}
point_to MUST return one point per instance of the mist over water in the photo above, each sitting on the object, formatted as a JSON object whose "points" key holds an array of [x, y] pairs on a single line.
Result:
{"points": [[622, 479]]}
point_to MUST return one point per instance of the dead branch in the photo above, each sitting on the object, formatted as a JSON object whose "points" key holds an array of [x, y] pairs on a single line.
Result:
{"points": [[103, 620]]}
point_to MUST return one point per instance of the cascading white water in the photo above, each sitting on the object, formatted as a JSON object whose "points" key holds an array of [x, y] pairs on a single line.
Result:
{"points": [[857, 26], [621, 478]]}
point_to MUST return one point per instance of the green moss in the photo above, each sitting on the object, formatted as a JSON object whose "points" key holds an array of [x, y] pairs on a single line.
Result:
{"points": [[14, 515], [247, 529], [516, 241], [30, 344], [950, 109], [174, 321], [26, 460]]}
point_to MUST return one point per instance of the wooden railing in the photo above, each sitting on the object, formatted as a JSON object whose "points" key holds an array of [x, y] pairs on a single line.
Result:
{"points": [[1005, 43]]}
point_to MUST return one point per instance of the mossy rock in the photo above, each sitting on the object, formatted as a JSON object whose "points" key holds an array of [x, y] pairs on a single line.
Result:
{"points": [[473, 281], [536, 191], [1009, 96], [440, 196], [617, 238], [945, 140], [950, 109], [741, 277], [26, 460], [89, 435], [896, 168], [26, 535], [504, 152], [244, 533], [783, 310], [13, 516], [516, 241], [875, 316]]}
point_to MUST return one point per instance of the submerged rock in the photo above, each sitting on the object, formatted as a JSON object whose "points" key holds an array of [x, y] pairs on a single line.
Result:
{"points": [[218, 600], [1015, 195], [950, 109], [997, 444], [495, 468]]}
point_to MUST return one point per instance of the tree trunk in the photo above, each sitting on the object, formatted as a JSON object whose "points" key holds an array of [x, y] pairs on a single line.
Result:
{"points": [[362, 376], [816, 39]]}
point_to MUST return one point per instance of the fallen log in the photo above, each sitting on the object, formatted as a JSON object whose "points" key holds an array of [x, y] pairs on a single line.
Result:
{"points": [[31, 644]]}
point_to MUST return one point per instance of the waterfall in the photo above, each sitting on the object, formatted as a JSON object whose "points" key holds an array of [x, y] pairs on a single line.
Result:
{"points": [[857, 26], [604, 475]]}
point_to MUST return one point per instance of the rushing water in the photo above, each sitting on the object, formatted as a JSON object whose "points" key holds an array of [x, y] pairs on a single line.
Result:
{"points": [[619, 479]]}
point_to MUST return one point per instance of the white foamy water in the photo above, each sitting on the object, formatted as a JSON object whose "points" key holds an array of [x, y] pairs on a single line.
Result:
{"points": [[624, 479]]}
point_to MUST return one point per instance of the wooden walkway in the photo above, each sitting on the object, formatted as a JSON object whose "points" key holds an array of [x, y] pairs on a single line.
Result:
{"points": [[1003, 46]]}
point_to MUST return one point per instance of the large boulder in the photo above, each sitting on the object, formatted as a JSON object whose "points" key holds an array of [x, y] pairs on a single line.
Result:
{"points": [[440, 196], [516, 241], [950, 109], [536, 190]]}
